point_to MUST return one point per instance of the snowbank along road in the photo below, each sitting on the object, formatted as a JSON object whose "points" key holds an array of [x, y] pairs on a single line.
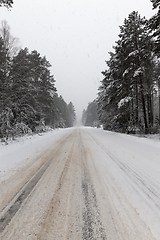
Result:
{"points": [[89, 184]]}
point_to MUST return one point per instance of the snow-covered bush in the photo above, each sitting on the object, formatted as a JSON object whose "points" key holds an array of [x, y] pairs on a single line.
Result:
{"points": [[22, 128], [41, 127]]}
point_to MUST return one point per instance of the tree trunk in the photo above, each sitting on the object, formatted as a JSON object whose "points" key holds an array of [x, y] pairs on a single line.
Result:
{"points": [[137, 120], [144, 113], [143, 104], [150, 110], [159, 106]]}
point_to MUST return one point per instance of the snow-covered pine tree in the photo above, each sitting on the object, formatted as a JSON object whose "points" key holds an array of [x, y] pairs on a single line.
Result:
{"points": [[154, 26], [128, 78], [32, 88], [90, 115], [71, 114]]}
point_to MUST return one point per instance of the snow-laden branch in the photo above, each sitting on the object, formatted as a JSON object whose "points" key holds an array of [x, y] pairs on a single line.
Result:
{"points": [[123, 101]]}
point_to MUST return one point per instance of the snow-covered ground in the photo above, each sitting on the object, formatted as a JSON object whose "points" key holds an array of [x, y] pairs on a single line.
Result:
{"points": [[15, 153], [134, 164], [113, 177]]}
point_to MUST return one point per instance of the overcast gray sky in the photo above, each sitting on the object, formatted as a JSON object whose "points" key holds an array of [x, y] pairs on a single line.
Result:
{"points": [[75, 36]]}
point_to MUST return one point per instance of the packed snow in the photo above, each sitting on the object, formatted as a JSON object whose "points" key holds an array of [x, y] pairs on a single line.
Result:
{"points": [[22, 148], [133, 162], [16, 152]]}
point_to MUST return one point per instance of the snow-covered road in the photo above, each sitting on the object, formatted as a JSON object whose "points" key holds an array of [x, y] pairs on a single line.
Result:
{"points": [[84, 183]]}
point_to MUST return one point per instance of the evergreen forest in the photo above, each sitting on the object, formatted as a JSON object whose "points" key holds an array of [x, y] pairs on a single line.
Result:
{"points": [[28, 97], [129, 95], [90, 115]]}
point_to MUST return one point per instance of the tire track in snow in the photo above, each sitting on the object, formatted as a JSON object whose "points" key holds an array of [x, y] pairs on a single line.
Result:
{"points": [[4, 221], [150, 188], [92, 225], [8, 214]]}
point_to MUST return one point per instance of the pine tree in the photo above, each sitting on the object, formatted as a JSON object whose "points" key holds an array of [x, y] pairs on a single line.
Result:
{"points": [[28, 99], [7, 50], [2, 77], [71, 115], [154, 26], [32, 88], [90, 115], [44, 84], [126, 91], [135, 34]]}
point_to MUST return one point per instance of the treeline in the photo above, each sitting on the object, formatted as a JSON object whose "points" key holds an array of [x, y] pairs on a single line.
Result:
{"points": [[6, 3], [90, 115], [129, 95], [28, 96]]}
